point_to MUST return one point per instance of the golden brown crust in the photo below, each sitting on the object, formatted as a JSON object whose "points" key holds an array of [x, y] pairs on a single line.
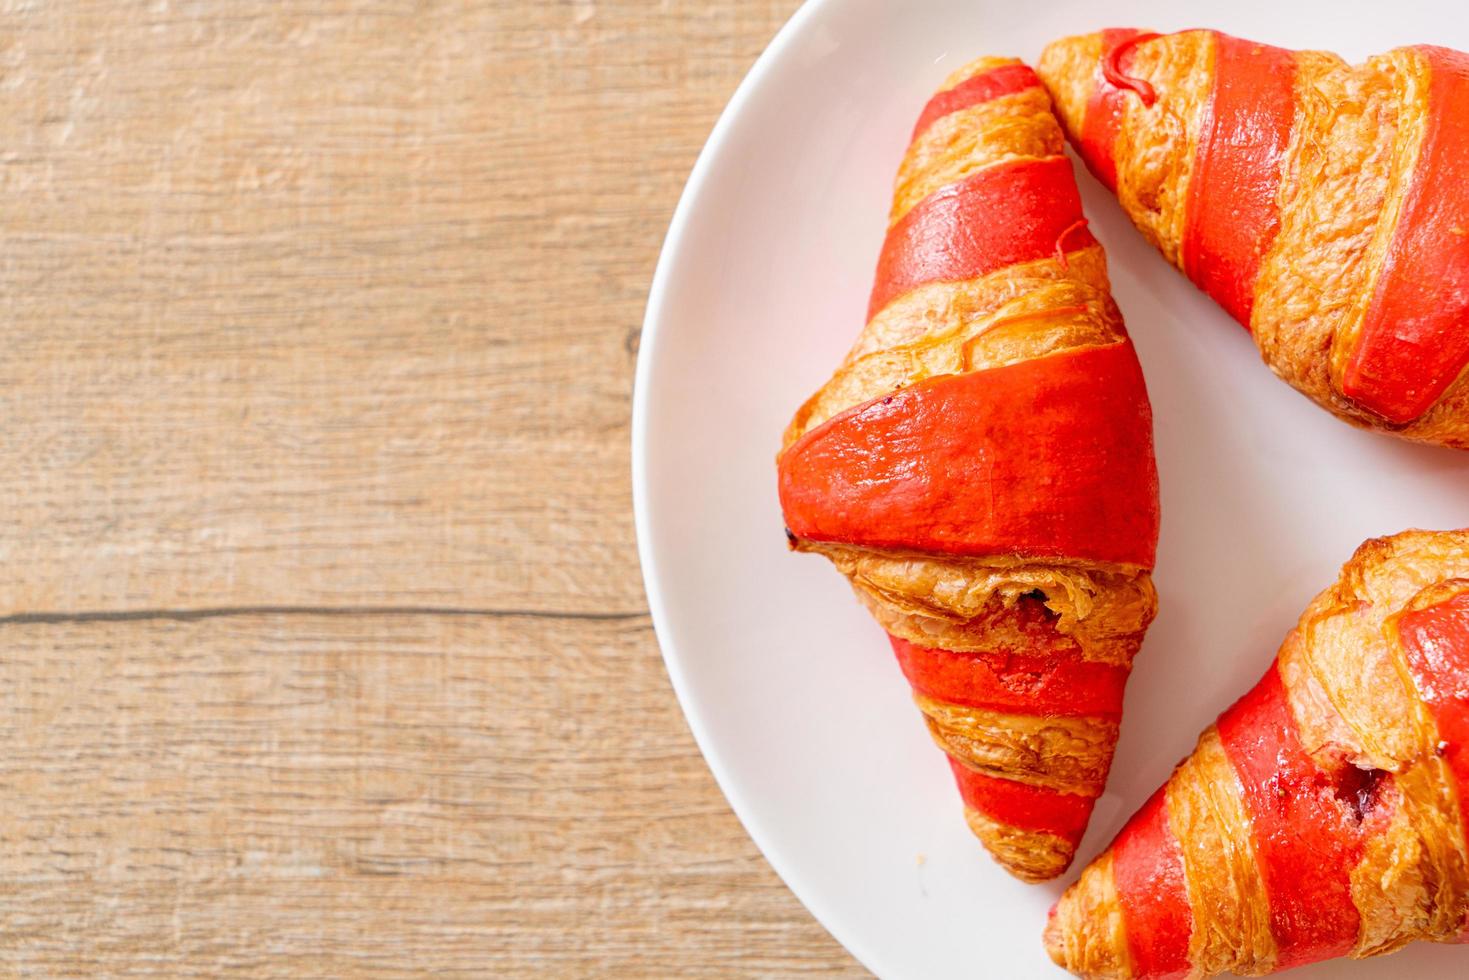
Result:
{"points": [[1016, 313], [1206, 812], [1086, 928], [1353, 698], [1390, 887], [1013, 127], [1069, 69], [953, 603], [1359, 695], [1048, 317], [1070, 755], [1314, 279], [1353, 147], [1030, 855], [939, 308], [1155, 145]]}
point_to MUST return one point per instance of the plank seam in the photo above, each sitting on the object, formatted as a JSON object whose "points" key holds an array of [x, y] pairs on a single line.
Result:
{"points": [[221, 612]]}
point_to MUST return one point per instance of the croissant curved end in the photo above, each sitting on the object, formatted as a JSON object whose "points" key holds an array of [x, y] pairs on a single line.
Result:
{"points": [[1323, 815]]}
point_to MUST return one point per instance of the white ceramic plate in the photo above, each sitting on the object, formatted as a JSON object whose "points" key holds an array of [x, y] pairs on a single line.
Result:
{"points": [[791, 691]]}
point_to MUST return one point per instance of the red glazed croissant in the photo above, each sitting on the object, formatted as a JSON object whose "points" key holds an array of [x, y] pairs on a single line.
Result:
{"points": [[1324, 206], [1324, 815], [981, 466]]}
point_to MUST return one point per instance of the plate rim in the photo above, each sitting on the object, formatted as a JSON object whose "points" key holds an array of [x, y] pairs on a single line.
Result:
{"points": [[888, 953], [648, 342]]}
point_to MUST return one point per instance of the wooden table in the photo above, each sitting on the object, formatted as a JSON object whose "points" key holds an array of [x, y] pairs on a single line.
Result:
{"points": [[325, 648]]}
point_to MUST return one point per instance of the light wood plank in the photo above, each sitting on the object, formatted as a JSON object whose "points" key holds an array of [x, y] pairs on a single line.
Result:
{"points": [[333, 306], [325, 795], [335, 302]]}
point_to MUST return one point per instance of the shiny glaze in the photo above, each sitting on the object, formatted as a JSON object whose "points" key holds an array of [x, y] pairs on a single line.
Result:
{"points": [[953, 233], [1046, 457], [1231, 215]]}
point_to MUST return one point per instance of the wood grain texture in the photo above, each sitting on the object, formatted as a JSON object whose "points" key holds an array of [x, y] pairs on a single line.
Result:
{"points": [[324, 646]]}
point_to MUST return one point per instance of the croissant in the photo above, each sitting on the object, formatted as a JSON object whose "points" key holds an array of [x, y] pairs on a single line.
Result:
{"points": [[981, 466], [1323, 814], [1324, 206]]}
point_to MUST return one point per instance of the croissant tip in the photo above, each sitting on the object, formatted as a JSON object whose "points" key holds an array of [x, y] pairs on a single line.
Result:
{"points": [[1032, 856], [1085, 934]]}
